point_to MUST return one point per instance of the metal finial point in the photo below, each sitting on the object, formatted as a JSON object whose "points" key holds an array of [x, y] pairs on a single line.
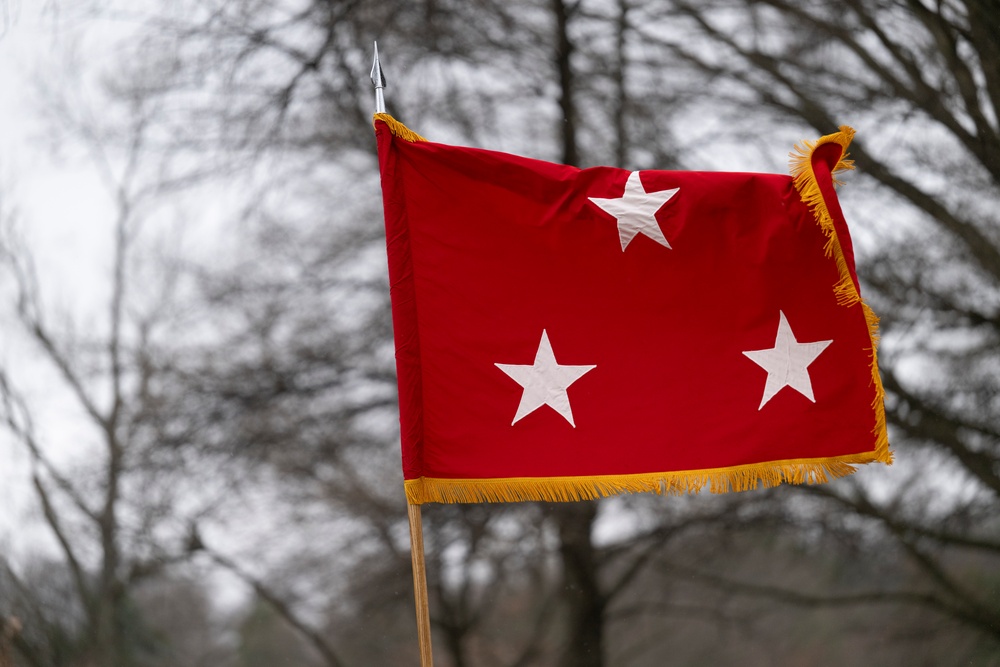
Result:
{"points": [[378, 79]]}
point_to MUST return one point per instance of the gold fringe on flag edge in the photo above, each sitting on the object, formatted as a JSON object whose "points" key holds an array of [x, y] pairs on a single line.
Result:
{"points": [[719, 480], [397, 128], [801, 164]]}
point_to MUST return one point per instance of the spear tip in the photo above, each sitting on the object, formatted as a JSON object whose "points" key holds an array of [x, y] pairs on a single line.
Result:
{"points": [[378, 80]]}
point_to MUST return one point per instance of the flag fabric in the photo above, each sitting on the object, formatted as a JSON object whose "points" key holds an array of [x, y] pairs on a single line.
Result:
{"points": [[565, 334]]}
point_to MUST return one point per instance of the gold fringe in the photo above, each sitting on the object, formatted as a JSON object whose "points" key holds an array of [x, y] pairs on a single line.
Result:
{"points": [[812, 196], [881, 433], [845, 290], [397, 128], [568, 489]]}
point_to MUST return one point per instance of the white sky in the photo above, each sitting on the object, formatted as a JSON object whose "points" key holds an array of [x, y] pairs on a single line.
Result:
{"points": [[66, 216], [61, 211]]}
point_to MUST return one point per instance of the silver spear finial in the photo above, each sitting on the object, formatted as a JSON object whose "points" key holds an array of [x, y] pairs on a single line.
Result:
{"points": [[378, 79]]}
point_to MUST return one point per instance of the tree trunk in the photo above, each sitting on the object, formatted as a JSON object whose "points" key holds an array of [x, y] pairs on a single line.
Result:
{"points": [[581, 594], [582, 600], [564, 68]]}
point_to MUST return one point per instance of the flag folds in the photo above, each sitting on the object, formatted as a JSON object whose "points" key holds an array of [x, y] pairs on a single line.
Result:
{"points": [[564, 334]]}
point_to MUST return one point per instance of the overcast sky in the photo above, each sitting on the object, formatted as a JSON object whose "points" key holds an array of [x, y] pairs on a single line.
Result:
{"points": [[60, 209]]}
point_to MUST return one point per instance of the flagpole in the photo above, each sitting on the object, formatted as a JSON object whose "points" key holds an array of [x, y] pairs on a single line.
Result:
{"points": [[420, 586], [413, 511]]}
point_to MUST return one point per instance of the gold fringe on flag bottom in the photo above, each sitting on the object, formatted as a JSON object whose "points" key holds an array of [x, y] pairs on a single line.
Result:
{"points": [[566, 489], [719, 480]]}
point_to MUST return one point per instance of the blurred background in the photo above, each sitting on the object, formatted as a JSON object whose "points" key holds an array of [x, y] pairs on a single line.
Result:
{"points": [[199, 462]]}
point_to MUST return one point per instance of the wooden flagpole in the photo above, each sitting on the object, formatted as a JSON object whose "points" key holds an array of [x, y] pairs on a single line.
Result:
{"points": [[420, 586], [413, 511]]}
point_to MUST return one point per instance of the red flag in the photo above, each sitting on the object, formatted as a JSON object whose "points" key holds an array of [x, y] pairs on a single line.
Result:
{"points": [[564, 334]]}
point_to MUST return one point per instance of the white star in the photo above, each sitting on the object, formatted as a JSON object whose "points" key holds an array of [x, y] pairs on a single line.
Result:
{"points": [[636, 211], [787, 362], [544, 382]]}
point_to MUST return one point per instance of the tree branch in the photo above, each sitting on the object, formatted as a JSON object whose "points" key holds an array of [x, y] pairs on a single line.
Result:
{"points": [[979, 246], [926, 421], [814, 600], [274, 600]]}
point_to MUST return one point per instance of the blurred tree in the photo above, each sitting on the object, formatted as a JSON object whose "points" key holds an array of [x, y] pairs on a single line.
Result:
{"points": [[49, 615], [105, 491], [295, 374], [183, 626], [266, 641]]}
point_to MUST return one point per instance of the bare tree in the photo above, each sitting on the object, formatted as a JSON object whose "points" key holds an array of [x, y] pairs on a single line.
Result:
{"points": [[296, 376], [114, 511]]}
